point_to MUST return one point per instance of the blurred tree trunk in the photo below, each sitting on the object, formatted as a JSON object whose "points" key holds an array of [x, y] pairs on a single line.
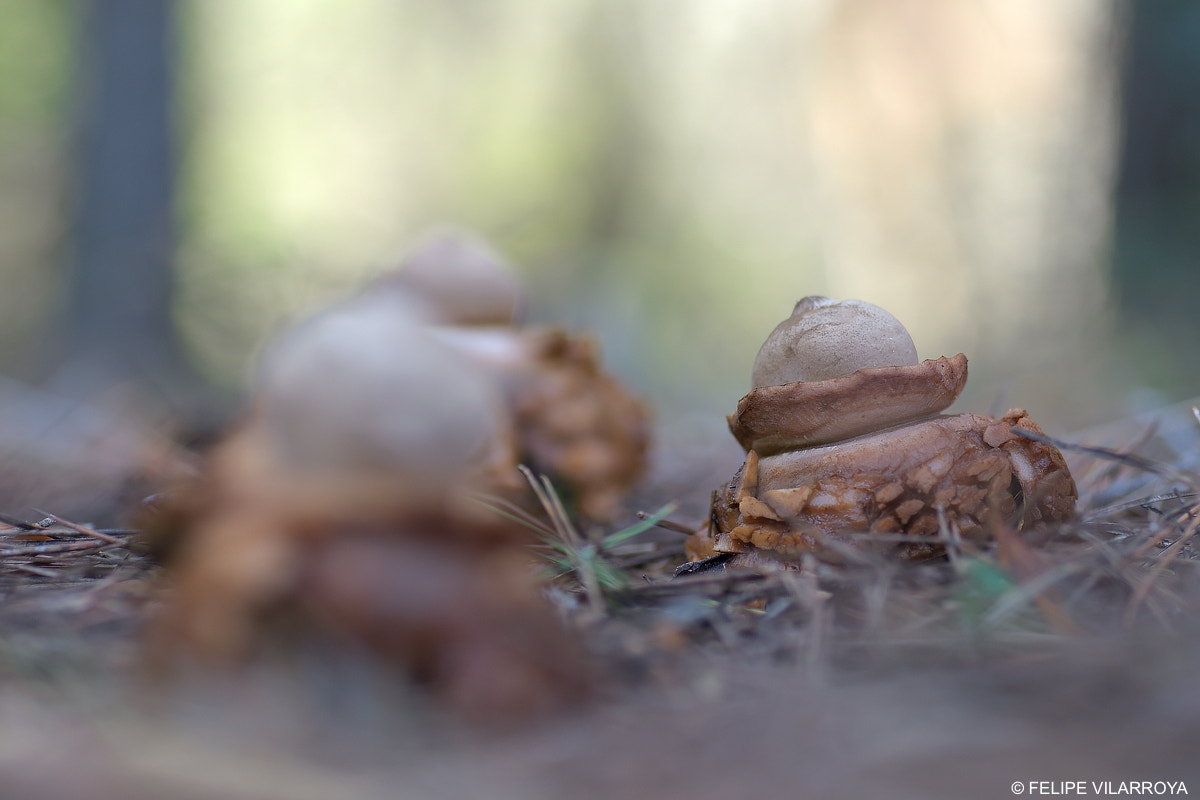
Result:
{"points": [[1158, 194], [963, 156], [119, 326]]}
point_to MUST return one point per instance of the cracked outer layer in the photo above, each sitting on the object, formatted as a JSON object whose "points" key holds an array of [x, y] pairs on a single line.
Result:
{"points": [[972, 467], [771, 419], [573, 421]]}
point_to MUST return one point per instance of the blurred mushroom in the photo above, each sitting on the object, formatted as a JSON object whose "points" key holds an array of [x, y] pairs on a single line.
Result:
{"points": [[364, 387], [572, 421], [845, 444], [343, 502], [461, 280]]}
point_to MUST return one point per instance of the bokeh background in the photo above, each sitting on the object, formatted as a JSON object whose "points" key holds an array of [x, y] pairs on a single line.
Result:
{"points": [[1015, 179]]}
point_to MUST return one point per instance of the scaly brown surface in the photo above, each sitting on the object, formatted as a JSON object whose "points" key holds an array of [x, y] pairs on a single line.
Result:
{"points": [[971, 469]]}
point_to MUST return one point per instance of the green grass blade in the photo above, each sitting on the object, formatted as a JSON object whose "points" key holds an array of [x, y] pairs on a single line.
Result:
{"points": [[638, 528]]}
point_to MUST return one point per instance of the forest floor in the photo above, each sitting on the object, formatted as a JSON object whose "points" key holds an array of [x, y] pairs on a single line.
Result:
{"points": [[1076, 659]]}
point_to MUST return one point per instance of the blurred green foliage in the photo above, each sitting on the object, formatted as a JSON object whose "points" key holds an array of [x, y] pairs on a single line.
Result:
{"points": [[672, 175], [36, 61], [324, 137], [37, 67]]}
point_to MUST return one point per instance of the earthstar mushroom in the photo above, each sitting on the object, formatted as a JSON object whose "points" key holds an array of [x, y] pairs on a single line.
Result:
{"points": [[342, 509], [845, 442], [461, 279], [571, 419]]}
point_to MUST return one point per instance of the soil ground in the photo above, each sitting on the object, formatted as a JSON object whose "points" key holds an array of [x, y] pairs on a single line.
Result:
{"points": [[946, 679]]}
